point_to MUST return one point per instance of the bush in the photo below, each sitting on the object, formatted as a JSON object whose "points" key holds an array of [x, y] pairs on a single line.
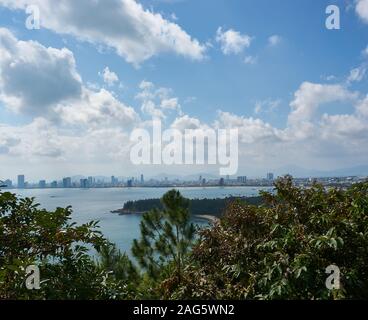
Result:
{"points": [[282, 249]]}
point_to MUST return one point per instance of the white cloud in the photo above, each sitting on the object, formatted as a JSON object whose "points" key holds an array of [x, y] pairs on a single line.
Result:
{"points": [[136, 33], [109, 77], [357, 74], [362, 9], [250, 130], [186, 122], [157, 101], [34, 78], [267, 106], [232, 42], [43, 82], [310, 96], [96, 109], [274, 40]]}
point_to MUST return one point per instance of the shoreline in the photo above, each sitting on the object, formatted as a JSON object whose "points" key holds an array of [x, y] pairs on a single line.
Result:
{"points": [[208, 217]]}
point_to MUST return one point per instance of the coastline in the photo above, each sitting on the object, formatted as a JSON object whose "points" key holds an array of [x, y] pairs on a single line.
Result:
{"points": [[207, 217]]}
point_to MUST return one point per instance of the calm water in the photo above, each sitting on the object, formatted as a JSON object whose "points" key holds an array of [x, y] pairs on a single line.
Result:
{"points": [[97, 204]]}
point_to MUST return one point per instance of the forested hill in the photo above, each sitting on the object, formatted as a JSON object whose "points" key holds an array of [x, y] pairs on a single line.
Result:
{"points": [[213, 207]]}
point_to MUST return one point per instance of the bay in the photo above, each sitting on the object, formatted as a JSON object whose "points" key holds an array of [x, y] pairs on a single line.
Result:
{"points": [[97, 204]]}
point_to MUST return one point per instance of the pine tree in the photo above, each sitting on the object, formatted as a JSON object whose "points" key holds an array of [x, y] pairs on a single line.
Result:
{"points": [[166, 237]]}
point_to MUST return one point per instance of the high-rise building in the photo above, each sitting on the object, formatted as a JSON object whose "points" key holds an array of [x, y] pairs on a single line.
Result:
{"points": [[84, 183], [91, 181], [270, 176], [114, 181], [67, 182], [142, 178], [222, 182], [54, 184], [21, 181], [242, 179], [130, 183], [42, 184]]}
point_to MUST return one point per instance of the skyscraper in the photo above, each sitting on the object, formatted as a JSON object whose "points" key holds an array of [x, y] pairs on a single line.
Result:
{"points": [[67, 182], [222, 182], [242, 179], [21, 181], [42, 184], [142, 178], [130, 183], [91, 182], [270, 176], [84, 183]]}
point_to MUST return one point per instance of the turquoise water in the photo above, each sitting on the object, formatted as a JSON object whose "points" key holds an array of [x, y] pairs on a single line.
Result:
{"points": [[97, 204]]}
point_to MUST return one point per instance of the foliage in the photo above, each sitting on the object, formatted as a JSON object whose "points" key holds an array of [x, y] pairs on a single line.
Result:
{"points": [[33, 236], [166, 238], [281, 251], [215, 207], [277, 250]]}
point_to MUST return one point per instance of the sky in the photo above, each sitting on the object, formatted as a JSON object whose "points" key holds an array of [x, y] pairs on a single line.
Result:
{"points": [[73, 90]]}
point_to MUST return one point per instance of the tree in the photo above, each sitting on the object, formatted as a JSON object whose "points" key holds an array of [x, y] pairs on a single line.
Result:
{"points": [[166, 239], [33, 236], [282, 249]]}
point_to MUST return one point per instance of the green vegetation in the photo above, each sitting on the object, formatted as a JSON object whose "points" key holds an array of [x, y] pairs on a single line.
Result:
{"points": [[278, 250], [214, 207]]}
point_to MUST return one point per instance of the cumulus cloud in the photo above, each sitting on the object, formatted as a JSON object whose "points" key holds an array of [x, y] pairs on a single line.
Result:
{"points": [[156, 102], [43, 82], [310, 96], [109, 77], [232, 42], [34, 78], [250, 130], [186, 122], [361, 9], [135, 33], [96, 109]]}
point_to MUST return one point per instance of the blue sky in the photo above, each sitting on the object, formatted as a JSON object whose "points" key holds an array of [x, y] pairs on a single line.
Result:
{"points": [[279, 45]]}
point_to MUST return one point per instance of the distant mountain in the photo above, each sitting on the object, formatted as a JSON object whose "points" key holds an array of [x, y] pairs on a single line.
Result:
{"points": [[192, 177], [305, 173]]}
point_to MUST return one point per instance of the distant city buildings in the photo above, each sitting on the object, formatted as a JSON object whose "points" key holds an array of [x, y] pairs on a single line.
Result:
{"points": [[91, 181], [139, 181], [21, 182], [114, 181], [42, 184], [67, 182], [242, 179], [84, 183], [222, 182]]}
